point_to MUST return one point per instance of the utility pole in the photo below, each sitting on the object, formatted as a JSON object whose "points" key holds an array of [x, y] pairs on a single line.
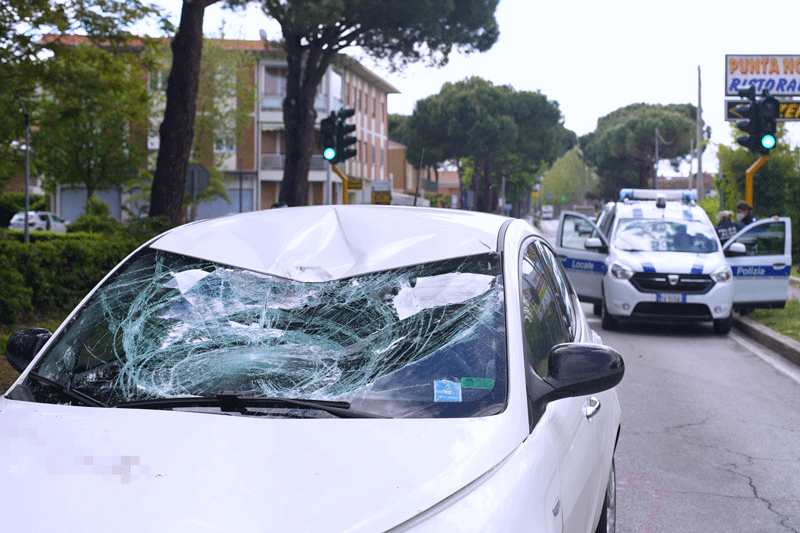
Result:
{"points": [[701, 192]]}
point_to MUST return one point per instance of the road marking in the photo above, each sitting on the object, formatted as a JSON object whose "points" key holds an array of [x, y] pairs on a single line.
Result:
{"points": [[778, 362]]}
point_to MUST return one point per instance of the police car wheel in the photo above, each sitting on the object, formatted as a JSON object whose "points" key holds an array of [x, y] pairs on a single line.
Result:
{"points": [[607, 320], [723, 325]]}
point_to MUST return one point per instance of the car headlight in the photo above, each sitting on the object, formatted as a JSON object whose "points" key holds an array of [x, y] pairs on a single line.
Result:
{"points": [[620, 271], [722, 274]]}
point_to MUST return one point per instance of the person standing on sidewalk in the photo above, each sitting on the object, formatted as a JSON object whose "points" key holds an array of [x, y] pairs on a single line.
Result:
{"points": [[744, 214], [725, 226]]}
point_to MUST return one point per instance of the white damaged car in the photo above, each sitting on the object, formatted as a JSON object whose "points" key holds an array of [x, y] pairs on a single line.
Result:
{"points": [[318, 369]]}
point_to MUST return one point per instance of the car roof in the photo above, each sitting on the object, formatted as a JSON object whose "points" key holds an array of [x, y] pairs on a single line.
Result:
{"points": [[321, 243]]}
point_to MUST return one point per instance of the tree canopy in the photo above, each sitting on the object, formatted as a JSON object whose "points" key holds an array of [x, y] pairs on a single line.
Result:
{"points": [[622, 148], [489, 132], [91, 119], [23, 52]]}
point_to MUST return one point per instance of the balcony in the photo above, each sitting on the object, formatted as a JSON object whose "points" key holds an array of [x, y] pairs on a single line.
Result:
{"points": [[276, 162]]}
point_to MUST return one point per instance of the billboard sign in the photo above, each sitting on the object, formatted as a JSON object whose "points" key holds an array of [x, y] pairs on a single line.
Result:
{"points": [[778, 74], [788, 110]]}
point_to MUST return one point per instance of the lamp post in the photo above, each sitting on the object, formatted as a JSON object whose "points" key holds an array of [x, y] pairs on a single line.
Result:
{"points": [[27, 164]]}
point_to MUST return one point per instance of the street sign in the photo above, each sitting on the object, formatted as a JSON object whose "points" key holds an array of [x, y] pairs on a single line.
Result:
{"points": [[197, 179], [778, 74], [788, 110]]}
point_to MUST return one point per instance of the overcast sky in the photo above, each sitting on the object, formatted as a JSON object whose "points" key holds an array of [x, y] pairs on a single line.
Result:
{"points": [[593, 57]]}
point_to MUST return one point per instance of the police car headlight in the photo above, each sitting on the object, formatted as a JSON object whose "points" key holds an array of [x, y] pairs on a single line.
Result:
{"points": [[620, 271], [723, 274]]}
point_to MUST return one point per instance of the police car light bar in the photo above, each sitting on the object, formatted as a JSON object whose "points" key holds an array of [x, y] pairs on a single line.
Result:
{"points": [[684, 196]]}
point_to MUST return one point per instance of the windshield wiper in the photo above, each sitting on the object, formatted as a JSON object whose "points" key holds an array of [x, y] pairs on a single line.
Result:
{"points": [[84, 399], [233, 402]]}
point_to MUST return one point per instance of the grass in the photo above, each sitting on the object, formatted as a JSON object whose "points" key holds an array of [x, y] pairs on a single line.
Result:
{"points": [[786, 320]]}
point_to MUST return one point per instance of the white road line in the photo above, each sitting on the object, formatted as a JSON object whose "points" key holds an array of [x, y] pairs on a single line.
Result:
{"points": [[775, 360]]}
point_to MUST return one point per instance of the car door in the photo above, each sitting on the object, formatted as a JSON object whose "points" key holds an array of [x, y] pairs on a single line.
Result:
{"points": [[550, 320], [584, 267], [761, 276]]}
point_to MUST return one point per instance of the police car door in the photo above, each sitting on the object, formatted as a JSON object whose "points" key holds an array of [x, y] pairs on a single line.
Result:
{"points": [[761, 276], [585, 267]]}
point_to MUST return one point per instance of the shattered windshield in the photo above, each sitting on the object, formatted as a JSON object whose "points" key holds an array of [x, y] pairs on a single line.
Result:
{"points": [[421, 341], [660, 235]]}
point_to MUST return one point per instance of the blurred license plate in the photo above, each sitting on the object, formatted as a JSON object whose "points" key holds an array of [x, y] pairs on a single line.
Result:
{"points": [[671, 298]]}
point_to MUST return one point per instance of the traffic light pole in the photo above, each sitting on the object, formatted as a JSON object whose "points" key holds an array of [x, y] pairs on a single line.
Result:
{"points": [[344, 183], [749, 178]]}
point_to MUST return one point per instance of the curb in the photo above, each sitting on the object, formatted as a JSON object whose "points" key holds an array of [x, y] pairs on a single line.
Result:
{"points": [[778, 342]]}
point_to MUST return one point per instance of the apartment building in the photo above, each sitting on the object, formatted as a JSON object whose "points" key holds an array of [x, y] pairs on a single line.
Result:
{"points": [[346, 84]]}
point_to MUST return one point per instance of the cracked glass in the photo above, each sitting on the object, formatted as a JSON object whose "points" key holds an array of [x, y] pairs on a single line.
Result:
{"points": [[421, 341]]}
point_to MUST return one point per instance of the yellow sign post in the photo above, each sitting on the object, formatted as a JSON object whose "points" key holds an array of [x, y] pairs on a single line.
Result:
{"points": [[748, 192], [345, 186]]}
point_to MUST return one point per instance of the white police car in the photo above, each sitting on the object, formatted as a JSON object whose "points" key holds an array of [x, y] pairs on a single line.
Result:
{"points": [[654, 256]]}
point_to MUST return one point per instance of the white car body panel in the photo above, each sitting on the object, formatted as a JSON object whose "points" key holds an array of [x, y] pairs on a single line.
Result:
{"points": [[76, 468], [137, 470]]}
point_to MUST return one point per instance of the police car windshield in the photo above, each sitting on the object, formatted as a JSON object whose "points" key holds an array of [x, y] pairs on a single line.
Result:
{"points": [[660, 235]]}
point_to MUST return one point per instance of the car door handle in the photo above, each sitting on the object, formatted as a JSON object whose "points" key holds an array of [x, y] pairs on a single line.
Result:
{"points": [[779, 266], [591, 407]]}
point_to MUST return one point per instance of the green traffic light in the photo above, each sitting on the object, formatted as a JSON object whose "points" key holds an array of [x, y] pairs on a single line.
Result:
{"points": [[329, 154], [768, 141]]}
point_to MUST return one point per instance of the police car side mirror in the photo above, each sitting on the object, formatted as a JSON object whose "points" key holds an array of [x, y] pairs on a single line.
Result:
{"points": [[595, 244], [735, 249]]}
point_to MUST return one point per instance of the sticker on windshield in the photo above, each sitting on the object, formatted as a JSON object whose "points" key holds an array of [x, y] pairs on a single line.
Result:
{"points": [[446, 391], [477, 383]]}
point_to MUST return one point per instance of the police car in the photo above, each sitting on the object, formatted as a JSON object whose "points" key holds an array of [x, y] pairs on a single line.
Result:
{"points": [[654, 256]]}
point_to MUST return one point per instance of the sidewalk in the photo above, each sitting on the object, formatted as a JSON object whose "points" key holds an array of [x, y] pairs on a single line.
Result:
{"points": [[779, 343]]}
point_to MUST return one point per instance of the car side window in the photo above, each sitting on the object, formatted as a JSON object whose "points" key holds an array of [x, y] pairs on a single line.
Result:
{"points": [[764, 239], [565, 301], [540, 314], [575, 231]]}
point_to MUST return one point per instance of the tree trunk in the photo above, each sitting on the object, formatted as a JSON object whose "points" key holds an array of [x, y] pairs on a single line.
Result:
{"points": [[177, 129], [299, 118]]}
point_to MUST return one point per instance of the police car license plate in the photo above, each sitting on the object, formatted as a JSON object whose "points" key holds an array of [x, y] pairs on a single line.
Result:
{"points": [[671, 298]]}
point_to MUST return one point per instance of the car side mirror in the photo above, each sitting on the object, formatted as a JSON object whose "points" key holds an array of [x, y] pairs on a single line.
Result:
{"points": [[736, 249], [578, 369], [595, 244], [23, 345]]}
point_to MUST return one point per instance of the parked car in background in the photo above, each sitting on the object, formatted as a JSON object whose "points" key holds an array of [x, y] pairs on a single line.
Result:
{"points": [[361, 368], [39, 220], [547, 212]]}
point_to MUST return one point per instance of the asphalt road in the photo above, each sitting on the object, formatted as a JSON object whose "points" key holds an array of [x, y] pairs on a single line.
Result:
{"points": [[710, 433]]}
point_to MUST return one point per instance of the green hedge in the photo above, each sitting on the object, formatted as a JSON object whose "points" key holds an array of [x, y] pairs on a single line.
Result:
{"points": [[56, 270]]}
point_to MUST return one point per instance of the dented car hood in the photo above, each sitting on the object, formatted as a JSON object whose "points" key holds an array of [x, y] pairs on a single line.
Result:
{"points": [[66, 468]]}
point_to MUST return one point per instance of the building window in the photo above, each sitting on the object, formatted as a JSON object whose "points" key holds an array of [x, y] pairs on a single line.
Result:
{"points": [[224, 146], [274, 81]]}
